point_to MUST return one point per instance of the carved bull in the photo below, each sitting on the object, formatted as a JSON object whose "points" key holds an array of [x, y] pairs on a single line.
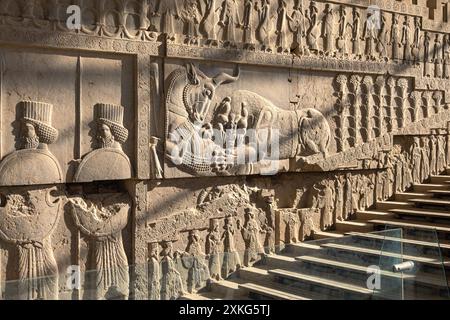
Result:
{"points": [[188, 101]]}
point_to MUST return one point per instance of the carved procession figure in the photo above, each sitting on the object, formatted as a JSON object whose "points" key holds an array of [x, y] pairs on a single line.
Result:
{"points": [[265, 25], [370, 35], [339, 199], [356, 34], [231, 260], [437, 56], [406, 41], [433, 155], [213, 250], [209, 22], [154, 273], [446, 45], [329, 34], [193, 259], [425, 161], [343, 34], [282, 27], [168, 11], [313, 33], [427, 55], [250, 234], [395, 39], [191, 15], [416, 160], [383, 39], [171, 282], [29, 215], [101, 219], [416, 46], [248, 22], [230, 20], [297, 24]]}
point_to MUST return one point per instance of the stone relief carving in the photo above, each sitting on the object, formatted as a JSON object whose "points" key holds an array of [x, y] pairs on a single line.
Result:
{"points": [[101, 219], [36, 133], [110, 134], [190, 144]]}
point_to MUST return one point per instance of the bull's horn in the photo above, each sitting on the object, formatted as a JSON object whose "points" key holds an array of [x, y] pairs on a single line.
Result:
{"points": [[224, 78]]}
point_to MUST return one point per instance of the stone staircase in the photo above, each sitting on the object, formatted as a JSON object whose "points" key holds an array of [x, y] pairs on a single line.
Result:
{"points": [[412, 226]]}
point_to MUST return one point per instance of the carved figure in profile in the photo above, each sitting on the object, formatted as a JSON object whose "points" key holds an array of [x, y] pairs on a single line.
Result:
{"points": [[154, 272], [406, 41], [416, 46], [395, 40], [248, 22], [313, 32], [433, 154], [194, 260], [168, 11], [339, 199], [383, 36], [356, 34], [297, 24], [446, 45], [230, 20], [437, 56], [348, 202], [101, 219], [209, 22], [32, 211], [425, 161], [441, 148], [110, 134], [250, 234], [265, 25], [416, 160], [282, 27], [329, 32], [370, 35], [231, 260], [213, 249], [292, 222], [427, 55], [171, 282], [191, 15]]}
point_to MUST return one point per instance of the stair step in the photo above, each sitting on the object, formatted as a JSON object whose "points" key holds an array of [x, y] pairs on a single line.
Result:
{"points": [[422, 213], [424, 260], [442, 245], [300, 248], [440, 179], [319, 235], [405, 196], [225, 288], [411, 224], [424, 187], [373, 214], [273, 261], [359, 226], [424, 279], [295, 276], [440, 192], [431, 202], [386, 205], [271, 291]]}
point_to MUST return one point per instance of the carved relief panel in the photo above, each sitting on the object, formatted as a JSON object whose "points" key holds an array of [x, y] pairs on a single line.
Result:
{"points": [[58, 108]]}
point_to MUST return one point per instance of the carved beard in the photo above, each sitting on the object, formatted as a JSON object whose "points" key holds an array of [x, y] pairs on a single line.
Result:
{"points": [[105, 142], [30, 143]]}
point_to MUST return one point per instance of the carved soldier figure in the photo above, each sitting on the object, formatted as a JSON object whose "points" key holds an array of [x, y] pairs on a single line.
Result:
{"points": [[282, 27], [437, 56], [416, 160], [297, 26], [395, 38], [339, 199], [390, 177], [230, 20], [313, 33], [209, 22], [446, 56], [250, 233], [292, 221], [328, 24], [416, 42], [370, 35], [109, 136], [231, 260], [343, 35], [171, 282], [29, 215], [406, 41], [348, 203], [356, 34], [248, 22], [406, 166], [265, 25], [383, 38], [213, 249], [193, 259], [433, 154], [168, 11], [191, 16], [427, 55], [425, 163], [441, 149], [154, 274]]}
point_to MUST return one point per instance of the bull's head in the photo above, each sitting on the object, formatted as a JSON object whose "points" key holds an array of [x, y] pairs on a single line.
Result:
{"points": [[200, 91]]}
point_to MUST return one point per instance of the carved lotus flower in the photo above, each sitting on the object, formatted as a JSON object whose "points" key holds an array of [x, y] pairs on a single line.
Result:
{"points": [[342, 80], [437, 95], [402, 83], [427, 95], [355, 81], [416, 96], [380, 81]]}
